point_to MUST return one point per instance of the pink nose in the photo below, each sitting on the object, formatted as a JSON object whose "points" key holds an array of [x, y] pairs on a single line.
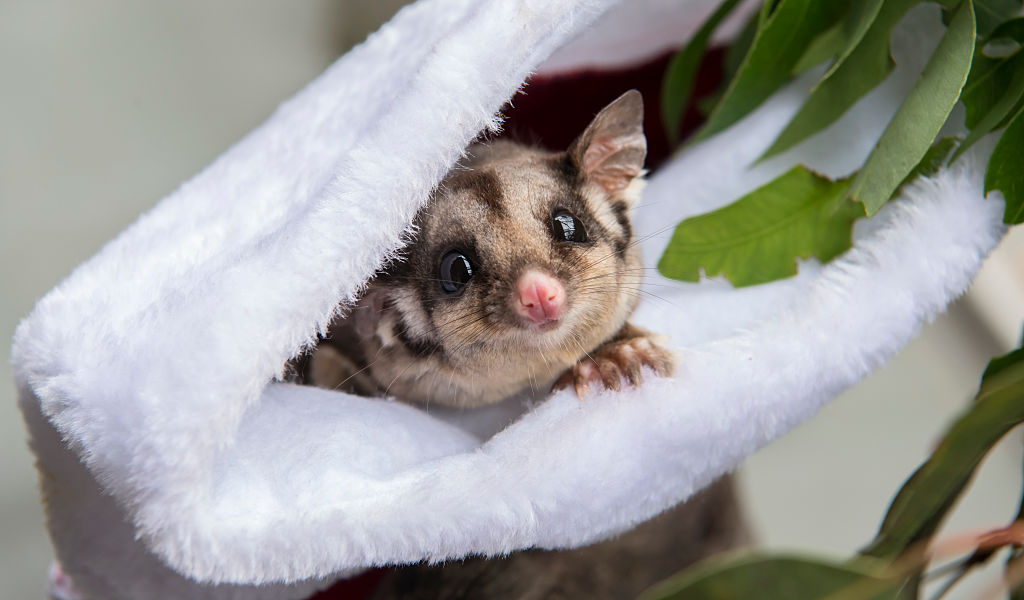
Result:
{"points": [[540, 297]]}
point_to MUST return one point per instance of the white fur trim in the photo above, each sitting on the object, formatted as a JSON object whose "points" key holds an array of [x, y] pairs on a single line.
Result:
{"points": [[154, 359]]}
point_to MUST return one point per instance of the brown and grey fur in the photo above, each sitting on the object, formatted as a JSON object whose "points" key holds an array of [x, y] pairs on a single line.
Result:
{"points": [[409, 339]]}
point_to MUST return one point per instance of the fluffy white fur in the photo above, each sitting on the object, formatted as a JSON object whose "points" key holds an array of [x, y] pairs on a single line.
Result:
{"points": [[154, 360]]}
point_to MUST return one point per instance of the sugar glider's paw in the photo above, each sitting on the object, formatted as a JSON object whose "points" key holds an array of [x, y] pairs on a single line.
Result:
{"points": [[621, 358], [331, 369]]}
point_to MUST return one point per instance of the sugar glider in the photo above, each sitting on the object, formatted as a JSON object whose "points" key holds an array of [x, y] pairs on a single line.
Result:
{"points": [[522, 273]]}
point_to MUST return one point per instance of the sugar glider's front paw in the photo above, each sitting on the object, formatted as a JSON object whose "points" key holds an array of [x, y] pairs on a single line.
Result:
{"points": [[331, 369], [622, 357]]}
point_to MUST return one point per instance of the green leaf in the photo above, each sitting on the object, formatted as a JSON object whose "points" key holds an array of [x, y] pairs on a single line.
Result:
{"points": [[682, 70], [858, 72], [731, 62], [989, 13], [839, 40], [924, 500], [911, 131], [756, 238], [1004, 172], [826, 46], [781, 40], [1009, 95], [984, 87], [767, 9], [855, 26], [995, 87], [992, 13], [1011, 29], [767, 577], [989, 78], [738, 49], [1000, 372], [932, 161]]}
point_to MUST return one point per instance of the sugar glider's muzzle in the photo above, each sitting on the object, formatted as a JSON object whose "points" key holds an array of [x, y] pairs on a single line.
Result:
{"points": [[539, 298]]}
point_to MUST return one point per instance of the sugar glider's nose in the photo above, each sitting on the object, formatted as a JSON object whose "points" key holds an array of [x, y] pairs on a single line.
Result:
{"points": [[539, 297]]}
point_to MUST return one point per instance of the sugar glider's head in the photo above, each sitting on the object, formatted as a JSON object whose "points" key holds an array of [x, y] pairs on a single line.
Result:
{"points": [[524, 252]]}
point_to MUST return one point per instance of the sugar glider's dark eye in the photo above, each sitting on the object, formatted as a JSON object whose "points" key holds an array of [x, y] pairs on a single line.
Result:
{"points": [[456, 271], [567, 228]]}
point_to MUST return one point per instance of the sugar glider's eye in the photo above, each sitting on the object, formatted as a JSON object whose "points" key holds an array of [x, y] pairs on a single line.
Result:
{"points": [[456, 271], [567, 228]]}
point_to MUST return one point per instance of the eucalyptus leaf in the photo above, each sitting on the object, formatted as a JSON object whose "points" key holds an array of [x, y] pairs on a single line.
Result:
{"points": [[1009, 98], [925, 499], [854, 75], [767, 577], [1011, 29], [731, 62], [915, 125], [855, 25], [1004, 172], [992, 13], [781, 40], [984, 87], [991, 76], [932, 161], [739, 47], [757, 238], [1009, 34], [826, 46], [989, 14], [767, 8], [682, 70]]}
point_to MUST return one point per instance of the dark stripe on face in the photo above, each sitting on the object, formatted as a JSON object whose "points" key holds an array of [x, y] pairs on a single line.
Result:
{"points": [[483, 185], [420, 348], [565, 170], [621, 212], [571, 199]]}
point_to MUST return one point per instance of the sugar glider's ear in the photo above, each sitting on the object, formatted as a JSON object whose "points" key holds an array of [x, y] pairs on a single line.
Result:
{"points": [[611, 151]]}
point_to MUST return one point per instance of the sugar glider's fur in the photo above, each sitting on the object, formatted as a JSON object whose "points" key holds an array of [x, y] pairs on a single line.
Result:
{"points": [[412, 339], [505, 216]]}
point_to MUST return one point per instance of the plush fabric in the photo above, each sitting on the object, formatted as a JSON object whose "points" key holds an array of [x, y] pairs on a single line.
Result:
{"points": [[170, 455]]}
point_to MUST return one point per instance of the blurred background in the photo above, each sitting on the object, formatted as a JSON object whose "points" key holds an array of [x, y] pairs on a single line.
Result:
{"points": [[107, 105]]}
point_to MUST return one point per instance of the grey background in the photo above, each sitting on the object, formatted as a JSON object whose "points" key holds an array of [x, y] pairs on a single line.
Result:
{"points": [[107, 105]]}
